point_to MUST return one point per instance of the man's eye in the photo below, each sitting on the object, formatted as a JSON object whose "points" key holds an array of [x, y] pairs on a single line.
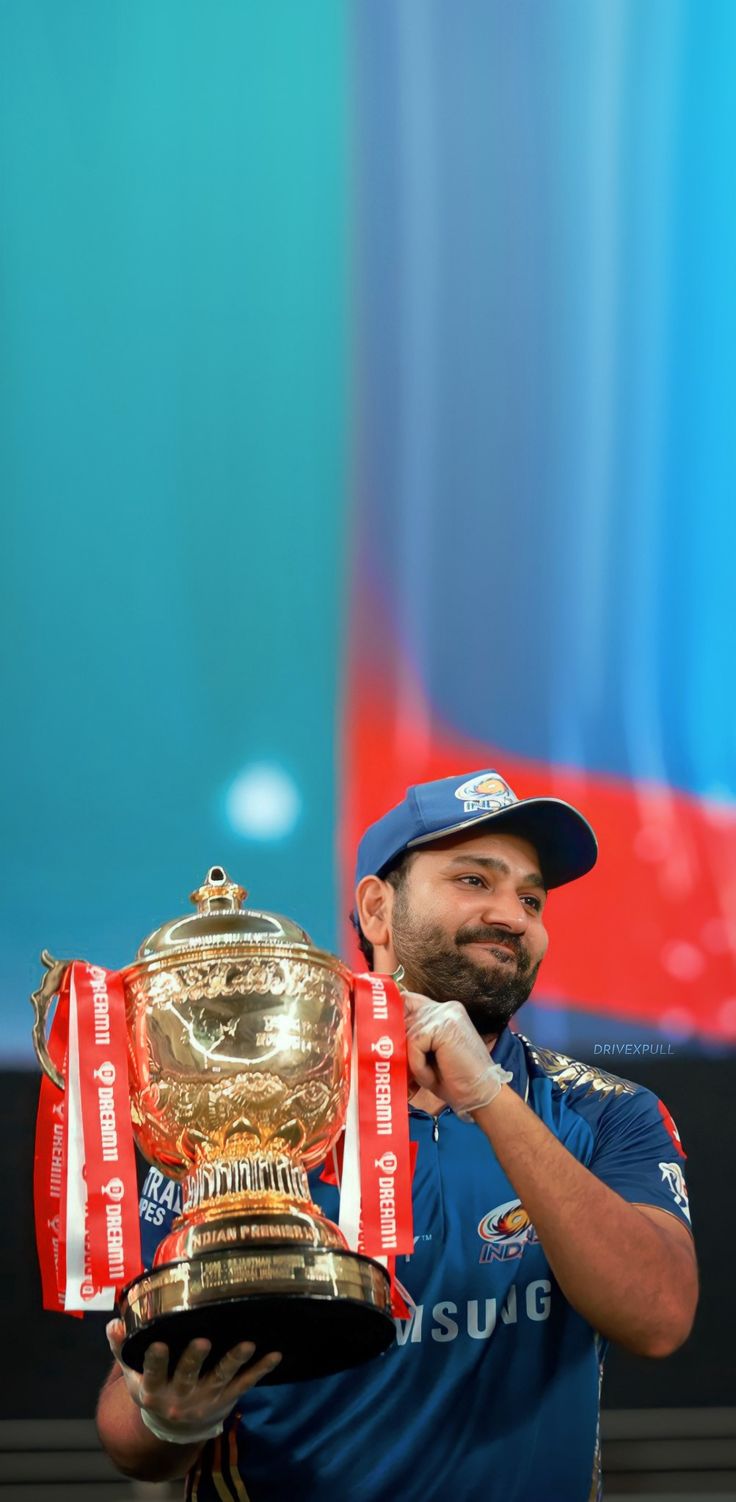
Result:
{"points": [[479, 879], [534, 902]]}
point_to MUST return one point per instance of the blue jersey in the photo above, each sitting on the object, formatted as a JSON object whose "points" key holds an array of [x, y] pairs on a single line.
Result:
{"points": [[492, 1389]]}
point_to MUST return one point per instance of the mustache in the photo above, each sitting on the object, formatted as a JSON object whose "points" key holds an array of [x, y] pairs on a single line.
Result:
{"points": [[494, 936]]}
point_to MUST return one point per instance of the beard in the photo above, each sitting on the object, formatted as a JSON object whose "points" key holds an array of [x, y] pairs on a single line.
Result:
{"points": [[439, 967]]}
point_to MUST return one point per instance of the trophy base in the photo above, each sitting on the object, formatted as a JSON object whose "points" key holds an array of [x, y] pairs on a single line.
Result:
{"points": [[324, 1309]]}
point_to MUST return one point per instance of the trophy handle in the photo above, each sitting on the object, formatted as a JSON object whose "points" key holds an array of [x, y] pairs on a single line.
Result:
{"points": [[41, 1001]]}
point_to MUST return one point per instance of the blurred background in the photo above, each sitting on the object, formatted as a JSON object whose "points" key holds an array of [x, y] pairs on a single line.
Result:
{"points": [[367, 415]]}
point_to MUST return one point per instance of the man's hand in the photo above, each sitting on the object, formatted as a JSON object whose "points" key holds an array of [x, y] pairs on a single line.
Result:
{"points": [[187, 1407], [447, 1056]]}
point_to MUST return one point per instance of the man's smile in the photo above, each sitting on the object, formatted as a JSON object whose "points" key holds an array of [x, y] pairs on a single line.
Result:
{"points": [[501, 952]]}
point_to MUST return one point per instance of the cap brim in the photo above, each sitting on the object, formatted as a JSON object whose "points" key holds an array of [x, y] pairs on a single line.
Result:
{"points": [[563, 838]]}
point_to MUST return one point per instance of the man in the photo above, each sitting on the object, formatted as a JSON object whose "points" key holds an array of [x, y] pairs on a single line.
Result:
{"points": [[550, 1212]]}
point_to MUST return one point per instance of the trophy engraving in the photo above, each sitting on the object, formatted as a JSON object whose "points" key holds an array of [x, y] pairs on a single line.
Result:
{"points": [[238, 1035]]}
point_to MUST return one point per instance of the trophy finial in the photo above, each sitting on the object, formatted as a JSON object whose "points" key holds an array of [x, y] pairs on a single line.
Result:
{"points": [[218, 894]]}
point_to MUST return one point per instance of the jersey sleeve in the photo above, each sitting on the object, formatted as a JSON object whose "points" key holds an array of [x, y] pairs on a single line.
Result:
{"points": [[638, 1153], [159, 1204]]}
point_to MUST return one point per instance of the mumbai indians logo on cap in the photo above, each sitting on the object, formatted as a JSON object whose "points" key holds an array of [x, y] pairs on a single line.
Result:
{"points": [[505, 1232], [487, 791]]}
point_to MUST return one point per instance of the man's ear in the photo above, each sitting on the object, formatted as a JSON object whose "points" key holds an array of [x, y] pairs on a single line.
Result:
{"points": [[373, 899]]}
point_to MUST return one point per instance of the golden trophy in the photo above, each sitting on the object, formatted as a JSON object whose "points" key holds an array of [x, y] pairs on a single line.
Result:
{"points": [[238, 1032]]}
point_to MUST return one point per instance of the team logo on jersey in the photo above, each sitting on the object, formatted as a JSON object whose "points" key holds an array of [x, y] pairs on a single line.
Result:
{"points": [[505, 1232], [674, 1178], [488, 791]]}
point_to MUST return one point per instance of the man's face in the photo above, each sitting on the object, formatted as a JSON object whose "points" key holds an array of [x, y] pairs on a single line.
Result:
{"points": [[467, 924]]}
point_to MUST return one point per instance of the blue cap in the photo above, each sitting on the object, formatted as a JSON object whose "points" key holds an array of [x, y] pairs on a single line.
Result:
{"points": [[563, 839]]}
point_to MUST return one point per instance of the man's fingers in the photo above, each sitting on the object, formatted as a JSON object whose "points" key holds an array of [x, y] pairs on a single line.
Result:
{"points": [[421, 1037], [420, 1067], [232, 1361], [413, 1002], [424, 1027], [254, 1374], [189, 1365], [155, 1366], [115, 1332]]}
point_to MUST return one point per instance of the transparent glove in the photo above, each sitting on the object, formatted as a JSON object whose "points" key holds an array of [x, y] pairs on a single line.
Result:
{"points": [[179, 1436], [188, 1407], [448, 1056]]}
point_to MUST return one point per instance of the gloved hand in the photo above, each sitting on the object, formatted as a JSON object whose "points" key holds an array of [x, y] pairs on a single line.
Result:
{"points": [[447, 1056], [187, 1407]]}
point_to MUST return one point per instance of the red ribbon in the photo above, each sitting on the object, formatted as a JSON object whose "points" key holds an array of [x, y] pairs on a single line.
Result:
{"points": [[112, 1189], [385, 1160], [49, 1163], [375, 1187], [84, 1177]]}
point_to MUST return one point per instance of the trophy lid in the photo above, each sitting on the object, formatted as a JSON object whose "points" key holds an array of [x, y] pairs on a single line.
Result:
{"points": [[220, 919]]}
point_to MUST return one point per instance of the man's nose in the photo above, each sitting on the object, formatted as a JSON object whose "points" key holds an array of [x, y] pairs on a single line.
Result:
{"points": [[505, 909]]}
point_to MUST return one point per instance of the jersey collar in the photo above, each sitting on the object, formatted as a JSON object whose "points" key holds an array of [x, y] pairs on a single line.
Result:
{"points": [[508, 1051]]}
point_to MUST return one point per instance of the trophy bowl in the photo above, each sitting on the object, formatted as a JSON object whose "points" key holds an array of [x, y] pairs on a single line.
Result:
{"points": [[238, 1033]]}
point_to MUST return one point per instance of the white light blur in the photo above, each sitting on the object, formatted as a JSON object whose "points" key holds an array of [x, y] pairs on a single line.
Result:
{"points": [[263, 802]]}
